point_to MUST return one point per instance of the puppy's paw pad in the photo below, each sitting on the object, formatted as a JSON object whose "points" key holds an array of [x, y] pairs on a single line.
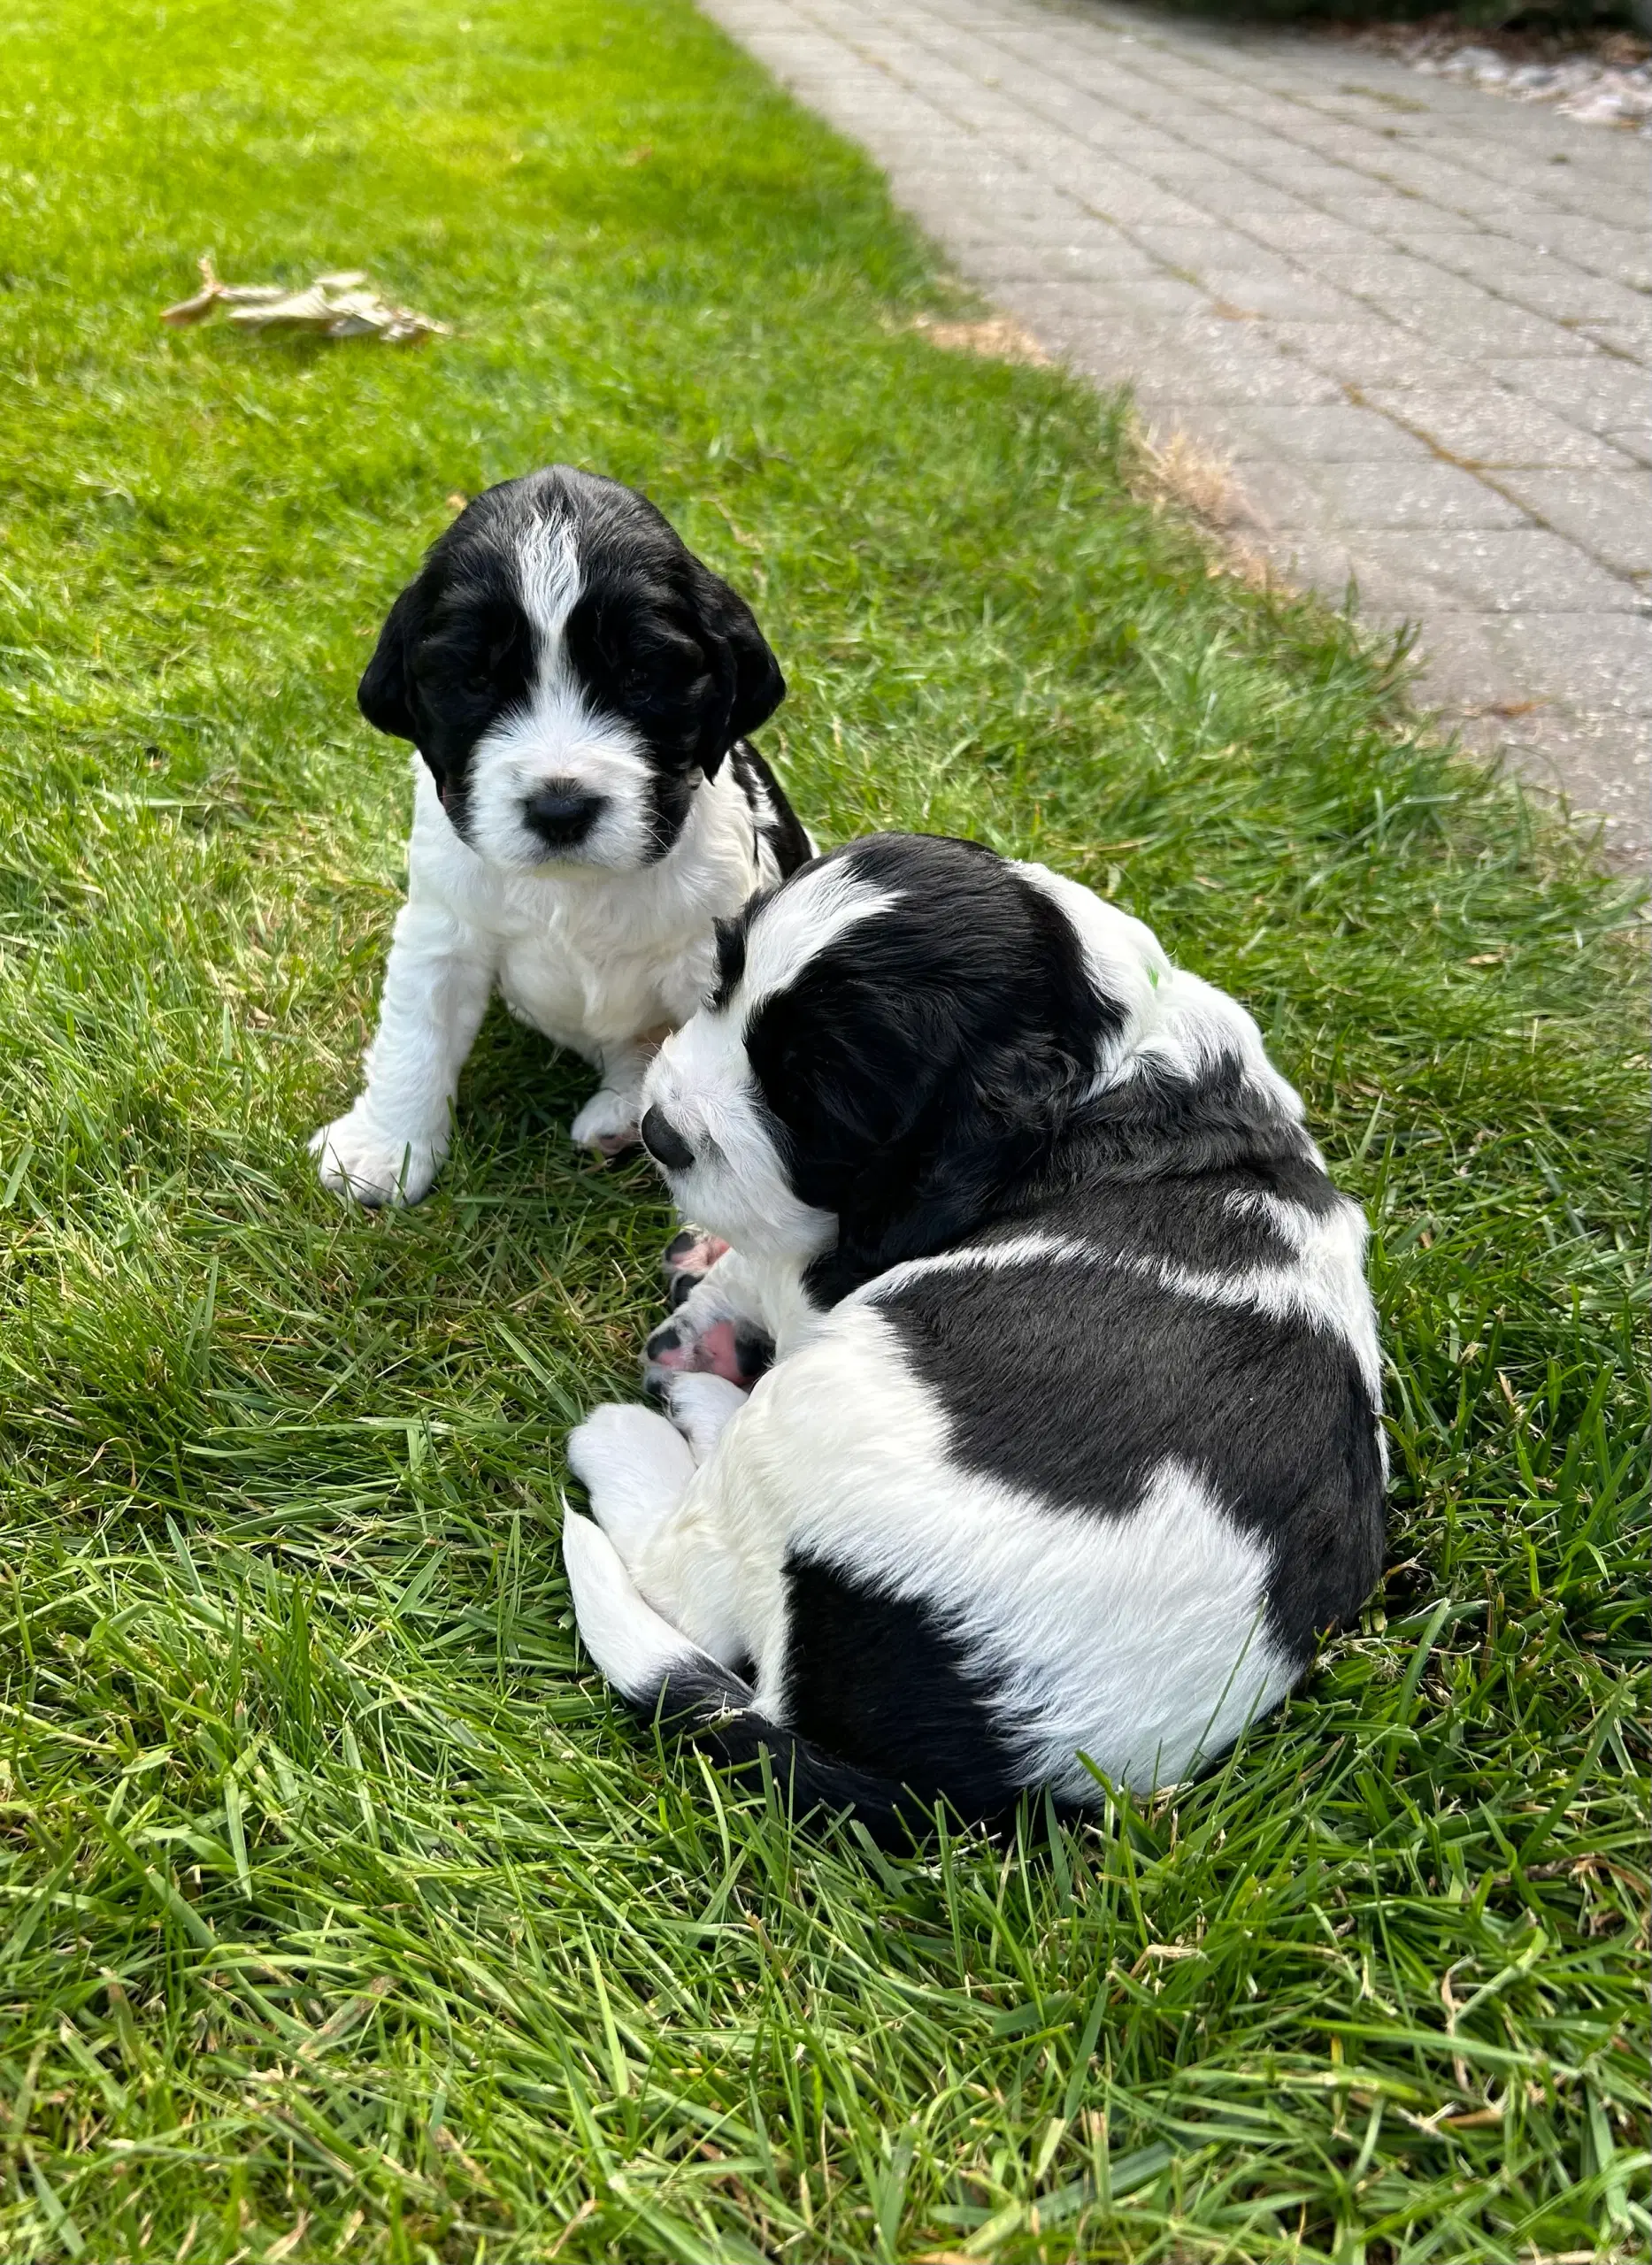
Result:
{"points": [[689, 1258], [359, 1161], [723, 1348], [608, 1123]]}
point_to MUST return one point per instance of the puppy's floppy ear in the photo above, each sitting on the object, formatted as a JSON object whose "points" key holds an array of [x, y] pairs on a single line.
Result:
{"points": [[385, 693], [968, 1137], [750, 674]]}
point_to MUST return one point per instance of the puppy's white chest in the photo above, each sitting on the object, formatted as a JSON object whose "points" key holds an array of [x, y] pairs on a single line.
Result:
{"points": [[595, 957], [578, 988]]}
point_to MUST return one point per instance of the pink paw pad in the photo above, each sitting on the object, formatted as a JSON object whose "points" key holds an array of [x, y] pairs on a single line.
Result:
{"points": [[732, 1350], [690, 1257], [713, 1353]]}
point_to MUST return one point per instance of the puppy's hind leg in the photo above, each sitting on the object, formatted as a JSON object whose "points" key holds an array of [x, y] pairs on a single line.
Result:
{"points": [[636, 1648], [635, 1466]]}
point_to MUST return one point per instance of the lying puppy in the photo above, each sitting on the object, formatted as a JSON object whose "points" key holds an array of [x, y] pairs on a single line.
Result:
{"points": [[1070, 1444], [579, 688]]}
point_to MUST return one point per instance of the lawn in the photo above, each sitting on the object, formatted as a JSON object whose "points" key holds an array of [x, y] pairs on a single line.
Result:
{"points": [[341, 1914]]}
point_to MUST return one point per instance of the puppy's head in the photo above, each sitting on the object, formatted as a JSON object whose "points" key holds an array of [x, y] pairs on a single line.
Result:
{"points": [[897, 1035], [570, 671]]}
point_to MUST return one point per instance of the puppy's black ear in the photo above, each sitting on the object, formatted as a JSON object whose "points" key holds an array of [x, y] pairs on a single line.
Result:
{"points": [[750, 672], [967, 1138], [385, 693]]}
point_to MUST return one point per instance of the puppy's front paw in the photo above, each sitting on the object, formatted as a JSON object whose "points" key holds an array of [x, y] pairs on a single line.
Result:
{"points": [[689, 1258], [608, 1123], [737, 1350], [702, 1406], [355, 1158]]}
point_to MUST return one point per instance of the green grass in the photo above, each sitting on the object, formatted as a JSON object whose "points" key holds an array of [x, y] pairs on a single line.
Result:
{"points": [[341, 1915]]}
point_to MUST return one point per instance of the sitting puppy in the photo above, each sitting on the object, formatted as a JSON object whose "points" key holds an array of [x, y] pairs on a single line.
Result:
{"points": [[579, 688], [1070, 1444]]}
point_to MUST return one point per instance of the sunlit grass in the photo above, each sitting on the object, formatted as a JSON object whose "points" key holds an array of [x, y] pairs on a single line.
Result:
{"points": [[339, 1915]]}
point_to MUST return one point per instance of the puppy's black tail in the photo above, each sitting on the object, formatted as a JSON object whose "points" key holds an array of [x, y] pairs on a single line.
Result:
{"points": [[718, 1711], [657, 1669]]}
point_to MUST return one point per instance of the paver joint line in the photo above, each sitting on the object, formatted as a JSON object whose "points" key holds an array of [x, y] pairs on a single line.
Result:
{"points": [[1426, 346]]}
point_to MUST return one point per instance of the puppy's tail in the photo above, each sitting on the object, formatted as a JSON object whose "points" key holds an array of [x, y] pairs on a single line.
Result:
{"points": [[656, 1668]]}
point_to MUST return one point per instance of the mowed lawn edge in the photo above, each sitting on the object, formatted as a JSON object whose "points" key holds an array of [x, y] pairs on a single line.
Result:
{"points": [[340, 1913]]}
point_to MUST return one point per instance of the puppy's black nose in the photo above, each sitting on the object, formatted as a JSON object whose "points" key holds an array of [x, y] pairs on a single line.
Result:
{"points": [[663, 1142], [562, 813]]}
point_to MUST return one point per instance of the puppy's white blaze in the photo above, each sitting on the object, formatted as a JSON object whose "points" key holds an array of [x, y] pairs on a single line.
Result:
{"points": [[635, 1648], [1136, 1636], [797, 926], [702, 1080], [548, 581], [558, 735], [1124, 960]]}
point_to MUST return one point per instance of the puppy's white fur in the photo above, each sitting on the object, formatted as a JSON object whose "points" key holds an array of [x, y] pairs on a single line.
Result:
{"points": [[600, 959], [703, 1080], [1137, 1641]]}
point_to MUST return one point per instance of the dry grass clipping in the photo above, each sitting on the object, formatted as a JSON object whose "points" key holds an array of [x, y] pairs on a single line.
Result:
{"points": [[1000, 339], [1179, 472]]}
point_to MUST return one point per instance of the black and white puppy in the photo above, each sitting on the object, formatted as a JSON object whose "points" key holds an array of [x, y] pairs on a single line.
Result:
{"points": [[579, 687], [1071, 1446]]}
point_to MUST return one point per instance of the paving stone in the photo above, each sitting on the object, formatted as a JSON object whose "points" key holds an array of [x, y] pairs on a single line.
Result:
{"points": [[1192, 249], [1057, 309], [1602, 763], [1102, 255], [1632, 340], [1474, 326], [1633, 440], [1395, 276], [1260, 292], [1599, 393], [1547, 286], [1346, 433], [1588, 663], [1235, 363], [1608, 514], [1494, 428], [1305, 232], [1499, 570], [1619, 252], [1344, 275], [1425, 496], [1370, 350]]}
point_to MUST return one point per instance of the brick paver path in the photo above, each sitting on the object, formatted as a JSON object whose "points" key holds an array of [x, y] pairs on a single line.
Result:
{"points": [[1414, 315]]}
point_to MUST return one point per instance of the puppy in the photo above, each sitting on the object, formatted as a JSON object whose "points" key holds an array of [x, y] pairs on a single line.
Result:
{"points": [[1070, 1443], [579, 688]]}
